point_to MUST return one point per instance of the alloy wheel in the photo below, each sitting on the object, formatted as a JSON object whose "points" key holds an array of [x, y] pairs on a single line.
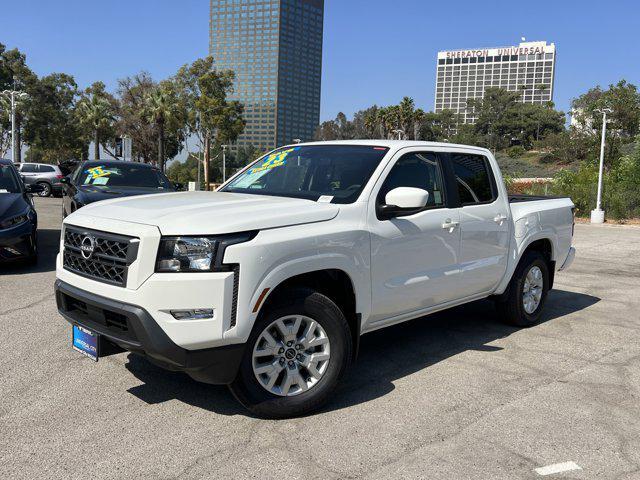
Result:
{"points": [[532, 291], [46, 190], [291, 355]]}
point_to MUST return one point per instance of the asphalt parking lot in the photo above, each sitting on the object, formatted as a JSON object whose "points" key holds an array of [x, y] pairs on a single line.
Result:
{"points": [[457, 395]]}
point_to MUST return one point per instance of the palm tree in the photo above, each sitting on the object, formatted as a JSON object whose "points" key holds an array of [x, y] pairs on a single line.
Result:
{"points": [[523, 89], [406, 115], [542, 87], [95, 113], [159, 109], [418, 118]]}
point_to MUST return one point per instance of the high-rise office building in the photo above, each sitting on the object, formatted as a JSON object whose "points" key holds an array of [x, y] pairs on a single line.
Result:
{"points": [[465, 74], [275, 49]]}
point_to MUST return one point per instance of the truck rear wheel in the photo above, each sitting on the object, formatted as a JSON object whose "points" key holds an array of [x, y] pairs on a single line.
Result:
{"points": [[523, 304], [295, 356]]}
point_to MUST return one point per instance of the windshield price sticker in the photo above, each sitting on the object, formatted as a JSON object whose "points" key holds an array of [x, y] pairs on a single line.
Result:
{"points": [[274, 160], [101, 180], [97, 172]]}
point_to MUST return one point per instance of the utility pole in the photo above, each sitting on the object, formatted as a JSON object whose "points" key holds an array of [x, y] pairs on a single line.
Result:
{"points": [[224, 163], [14, 95], [597, 215], [206, 163]]}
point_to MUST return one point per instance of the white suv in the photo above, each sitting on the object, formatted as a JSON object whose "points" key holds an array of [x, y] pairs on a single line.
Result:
{"points": [[268, 284]]}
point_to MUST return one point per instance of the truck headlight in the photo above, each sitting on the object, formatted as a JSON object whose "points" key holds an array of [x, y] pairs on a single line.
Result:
{"points": [[196, 254]]}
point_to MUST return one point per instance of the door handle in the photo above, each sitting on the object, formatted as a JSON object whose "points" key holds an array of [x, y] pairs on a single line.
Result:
{"points": [[449, 225], [499, 218]]}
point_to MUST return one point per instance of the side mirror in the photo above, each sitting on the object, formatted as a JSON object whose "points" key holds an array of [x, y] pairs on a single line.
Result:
{"points": [[403, 201], [34, 188], [65, 180]]}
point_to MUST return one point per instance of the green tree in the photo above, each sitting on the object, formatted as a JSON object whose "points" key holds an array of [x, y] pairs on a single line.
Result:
{"points": [[164, 110], [439, 126], [183, 172], [536, 121], [211, 116], [135, 122], [327, 131], [568, 147], [50, 127], [5, 125], [623, 98], [96, 114], [15, 74], [497, 116], [132, 92]]}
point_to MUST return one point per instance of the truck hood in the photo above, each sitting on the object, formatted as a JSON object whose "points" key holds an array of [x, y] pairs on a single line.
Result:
{"points": [[210, 213]]}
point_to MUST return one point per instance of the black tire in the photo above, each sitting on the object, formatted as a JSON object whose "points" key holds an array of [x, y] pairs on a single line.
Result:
{"points": [[302, 301], [47, 189], [511, 307]]}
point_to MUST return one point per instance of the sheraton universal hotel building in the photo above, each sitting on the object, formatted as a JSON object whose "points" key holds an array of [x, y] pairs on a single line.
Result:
{"points": [[465, 74]]}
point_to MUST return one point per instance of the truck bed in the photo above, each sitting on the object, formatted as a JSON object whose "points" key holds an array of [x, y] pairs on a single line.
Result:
{"points": [[521, 197]]}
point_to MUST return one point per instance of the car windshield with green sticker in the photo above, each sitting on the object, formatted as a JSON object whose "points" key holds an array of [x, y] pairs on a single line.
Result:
{"points": [[124, 175], [338, 173]]}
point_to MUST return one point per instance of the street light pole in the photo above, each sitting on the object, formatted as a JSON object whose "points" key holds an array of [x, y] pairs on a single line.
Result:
{"points": [[20, 95], [224, 163], [13, 127], [400, 133], [597, 215]]}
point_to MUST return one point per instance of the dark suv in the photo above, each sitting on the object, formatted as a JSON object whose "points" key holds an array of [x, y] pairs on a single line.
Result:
{"points": [[48, 176]]}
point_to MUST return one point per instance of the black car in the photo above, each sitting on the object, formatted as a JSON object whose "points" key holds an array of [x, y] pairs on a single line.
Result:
{"points": [[18, 218], [100, 180]]}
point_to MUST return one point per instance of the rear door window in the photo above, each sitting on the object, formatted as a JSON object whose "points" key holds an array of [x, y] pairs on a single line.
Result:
{"points": [[46, 168], [474, 179]]}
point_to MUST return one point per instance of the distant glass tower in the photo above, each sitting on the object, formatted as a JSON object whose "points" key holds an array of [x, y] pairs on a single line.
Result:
{"points": [[275, 48]]}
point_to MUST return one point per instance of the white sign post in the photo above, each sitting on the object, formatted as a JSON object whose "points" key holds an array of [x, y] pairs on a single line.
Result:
{"points": [[127, 144], [597, 215]]}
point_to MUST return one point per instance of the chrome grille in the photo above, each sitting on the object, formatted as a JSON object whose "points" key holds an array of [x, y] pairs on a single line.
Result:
{"points": [[106, 256]]}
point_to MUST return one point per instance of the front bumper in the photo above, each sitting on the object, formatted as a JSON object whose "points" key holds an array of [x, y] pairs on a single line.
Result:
{"points": [[17, 243], [133, 329]]}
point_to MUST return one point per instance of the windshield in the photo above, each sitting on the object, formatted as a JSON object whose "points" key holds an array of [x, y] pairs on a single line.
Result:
{"points": [[123, 175], [9, 183], [336, 172]]}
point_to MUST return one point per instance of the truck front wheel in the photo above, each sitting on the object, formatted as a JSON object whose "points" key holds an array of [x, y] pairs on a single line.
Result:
{"points": [[523, 304], [297, 352]]}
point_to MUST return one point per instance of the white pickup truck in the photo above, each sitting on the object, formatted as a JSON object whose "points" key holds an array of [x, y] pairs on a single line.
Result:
{"points": [[268, 284]]}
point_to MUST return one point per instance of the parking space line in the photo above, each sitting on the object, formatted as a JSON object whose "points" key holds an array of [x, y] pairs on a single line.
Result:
{"points": [[557, 468]]}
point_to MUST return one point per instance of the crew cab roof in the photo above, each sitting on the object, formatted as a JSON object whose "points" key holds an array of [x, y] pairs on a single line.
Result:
{"points": [[393, 144]]}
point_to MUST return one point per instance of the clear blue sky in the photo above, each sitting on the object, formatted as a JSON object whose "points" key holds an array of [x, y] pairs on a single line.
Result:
{"points": [[375, 51]]}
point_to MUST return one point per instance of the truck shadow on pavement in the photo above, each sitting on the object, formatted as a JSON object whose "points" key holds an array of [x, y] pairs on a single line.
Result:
{"points": [[385, 355], [48, 247]]}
